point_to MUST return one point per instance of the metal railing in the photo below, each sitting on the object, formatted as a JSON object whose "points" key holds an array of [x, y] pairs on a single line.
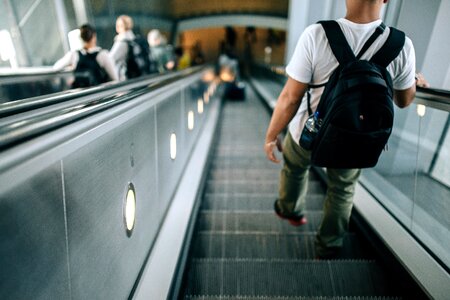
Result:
{"points": [[68, 228], [15, 130], [32, 103]]}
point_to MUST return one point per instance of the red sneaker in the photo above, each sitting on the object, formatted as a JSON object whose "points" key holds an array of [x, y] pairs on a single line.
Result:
{"points": [[294, 220]]}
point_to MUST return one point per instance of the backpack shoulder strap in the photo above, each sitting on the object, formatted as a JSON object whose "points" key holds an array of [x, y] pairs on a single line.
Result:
{"points": [[378, 31], [338, 43], [391, 48]]}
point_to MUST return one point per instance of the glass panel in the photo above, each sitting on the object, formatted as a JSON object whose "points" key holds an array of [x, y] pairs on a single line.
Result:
{"points": [[47, 51], [412, 177], [431, 214], [70, 12], [22, 7], [392, 180], [4, 24]]}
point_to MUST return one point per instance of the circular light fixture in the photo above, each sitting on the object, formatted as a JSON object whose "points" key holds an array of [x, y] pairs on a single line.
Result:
{"points": [[190, 120], [200, 106], [129, 209], [173, 146]]}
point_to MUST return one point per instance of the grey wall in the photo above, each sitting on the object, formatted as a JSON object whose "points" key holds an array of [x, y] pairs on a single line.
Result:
{"points": [[417, 18], [436, 63]]}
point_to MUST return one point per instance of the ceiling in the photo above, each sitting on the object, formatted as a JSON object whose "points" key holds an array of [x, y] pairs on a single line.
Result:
{"points": [[183, 9]]}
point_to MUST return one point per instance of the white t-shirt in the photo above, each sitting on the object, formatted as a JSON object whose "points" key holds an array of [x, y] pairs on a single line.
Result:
{"points": [[313, 62]]}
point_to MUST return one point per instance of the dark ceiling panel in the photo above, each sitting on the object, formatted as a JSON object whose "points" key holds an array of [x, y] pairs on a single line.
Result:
{"points": [[187, 8], [180, 9]]}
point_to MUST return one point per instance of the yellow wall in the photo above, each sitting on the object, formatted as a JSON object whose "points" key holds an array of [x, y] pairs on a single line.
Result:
{"points": [[182, 8], [211, 38]]}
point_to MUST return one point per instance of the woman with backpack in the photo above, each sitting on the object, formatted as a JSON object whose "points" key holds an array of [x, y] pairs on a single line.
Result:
{"points": [[129, 52], [92, 64]]}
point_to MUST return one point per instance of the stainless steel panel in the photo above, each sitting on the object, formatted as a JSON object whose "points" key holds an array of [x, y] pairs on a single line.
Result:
{"points": [[104, 261], [169, 120], [191, 95], [33, 257]]}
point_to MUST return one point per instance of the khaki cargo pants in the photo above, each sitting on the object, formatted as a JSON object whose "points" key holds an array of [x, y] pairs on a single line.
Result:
{"points": [[338, 201]]}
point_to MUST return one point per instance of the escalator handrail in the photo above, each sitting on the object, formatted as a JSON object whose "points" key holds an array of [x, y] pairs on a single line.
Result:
{"points": [[432, 97], [25, 75], [23, 105], [15, 133], [436, 98]]}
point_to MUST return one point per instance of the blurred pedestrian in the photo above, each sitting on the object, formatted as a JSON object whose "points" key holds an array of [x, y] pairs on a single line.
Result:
{"points": [[92, 65]]}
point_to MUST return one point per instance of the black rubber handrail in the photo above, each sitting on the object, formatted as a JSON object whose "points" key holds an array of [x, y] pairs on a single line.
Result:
{"points": [[23, 105], [15, 133], [6, 77], [436, 98]]}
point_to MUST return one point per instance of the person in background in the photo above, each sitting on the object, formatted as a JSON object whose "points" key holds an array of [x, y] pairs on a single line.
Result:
{"points": [[183, 59], [161, 54], [119, 50], [198, 58], [92, 64], [228, 64], [249, 41]]}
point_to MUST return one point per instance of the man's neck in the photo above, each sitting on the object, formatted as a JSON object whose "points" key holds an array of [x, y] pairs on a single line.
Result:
{"points": [[362, 13], [362, 19]]}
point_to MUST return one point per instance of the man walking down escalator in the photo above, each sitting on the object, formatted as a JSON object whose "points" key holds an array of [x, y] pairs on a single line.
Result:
{"points": [[312, 64]]}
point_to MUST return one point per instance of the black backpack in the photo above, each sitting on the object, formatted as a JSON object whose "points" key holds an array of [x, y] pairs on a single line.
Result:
{"points": [[88, 72], [138, 61], [354, 117]]}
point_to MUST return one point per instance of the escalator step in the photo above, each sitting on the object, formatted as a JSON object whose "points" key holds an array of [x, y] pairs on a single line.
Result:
{"points": [[235, 186], [258, 221], [264, 245], [244, 174], [238, 151], [287, 298], [219, 164], [249, 173], [253, 277], [250, 202]]}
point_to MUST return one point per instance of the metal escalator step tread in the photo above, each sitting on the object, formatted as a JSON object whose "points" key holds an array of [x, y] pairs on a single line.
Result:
{"points": [[238, 151], [255, 277], [259, 187], [223, 165], [245, 159], [189, 297], [249, 173], [260, 221], [266, 245], [250, 202]]}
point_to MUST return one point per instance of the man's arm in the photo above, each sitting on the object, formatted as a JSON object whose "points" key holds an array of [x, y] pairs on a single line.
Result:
{"points": [[403, 98], [287, 105]]}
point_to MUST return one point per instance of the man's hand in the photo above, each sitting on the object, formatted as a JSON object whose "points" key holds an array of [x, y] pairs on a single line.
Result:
{"points": [[269, 148], [285, 109], [421, 81]]}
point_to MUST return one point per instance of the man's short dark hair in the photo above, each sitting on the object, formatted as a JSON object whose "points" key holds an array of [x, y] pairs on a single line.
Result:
{"points": [[87, 32]]}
